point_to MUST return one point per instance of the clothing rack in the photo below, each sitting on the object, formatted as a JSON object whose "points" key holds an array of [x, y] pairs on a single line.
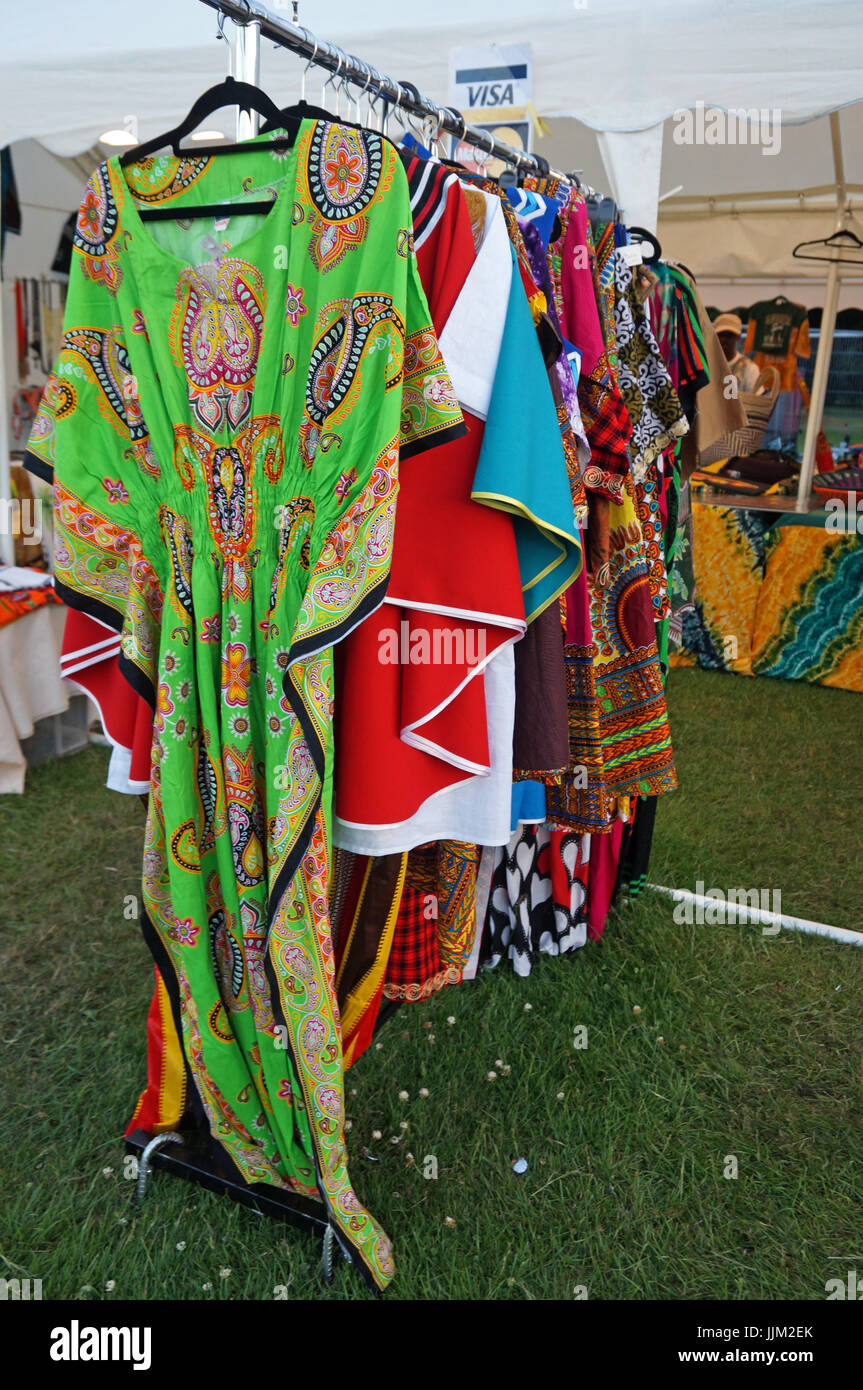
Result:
{"points": [[257, 22]]}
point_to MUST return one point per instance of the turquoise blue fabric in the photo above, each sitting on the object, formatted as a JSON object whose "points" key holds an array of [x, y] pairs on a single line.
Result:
{"points": [[522, 467], [528, 803]]}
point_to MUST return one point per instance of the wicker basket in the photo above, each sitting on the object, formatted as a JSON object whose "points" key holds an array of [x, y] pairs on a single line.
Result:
{"points": [[758, 409]]}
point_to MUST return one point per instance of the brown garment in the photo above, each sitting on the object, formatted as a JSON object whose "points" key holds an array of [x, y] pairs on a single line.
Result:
{"points": [[643, 279], [541, 737]]}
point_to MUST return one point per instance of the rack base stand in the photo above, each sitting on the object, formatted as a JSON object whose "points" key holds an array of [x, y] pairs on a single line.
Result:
{"points": [[182, 1157]]}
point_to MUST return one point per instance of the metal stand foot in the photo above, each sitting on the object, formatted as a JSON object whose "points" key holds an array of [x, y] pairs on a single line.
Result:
{"points": [[327, 1254], [158, 1142]]}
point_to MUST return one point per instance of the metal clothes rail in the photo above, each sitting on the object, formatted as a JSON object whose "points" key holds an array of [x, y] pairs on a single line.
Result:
{"points": [[256, 21]]}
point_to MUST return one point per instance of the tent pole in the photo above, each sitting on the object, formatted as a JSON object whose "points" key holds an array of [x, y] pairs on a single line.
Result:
{"points": [[7, 540], [247, 68], [825, 340], [819, 388]]}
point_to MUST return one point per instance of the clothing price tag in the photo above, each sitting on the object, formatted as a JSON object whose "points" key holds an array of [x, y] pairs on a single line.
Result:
{"points": [[220, 223], [632, 254]]}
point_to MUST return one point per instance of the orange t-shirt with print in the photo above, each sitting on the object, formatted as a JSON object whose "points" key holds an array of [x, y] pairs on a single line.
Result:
{"points": [[776, 335]]}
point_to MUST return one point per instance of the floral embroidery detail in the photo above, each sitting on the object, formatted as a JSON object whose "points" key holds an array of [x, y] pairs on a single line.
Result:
{"points": [[349, 328], [158, 179], [90, 215], [59, 400], [294, 306], [115, 490], [106, 362], [216, 333], [345, 483], [211, 629], [184, 931], [164, 707], [95, 235], [236, 673], [342, 172], [239, 725]]}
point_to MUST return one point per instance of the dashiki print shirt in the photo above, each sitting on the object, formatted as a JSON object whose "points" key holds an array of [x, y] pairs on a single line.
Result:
{"points": [[224, 429]]}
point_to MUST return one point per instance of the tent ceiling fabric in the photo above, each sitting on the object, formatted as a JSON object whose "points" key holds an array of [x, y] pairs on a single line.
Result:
{"points": [[70, 71], [601, 70], [752, 244]]}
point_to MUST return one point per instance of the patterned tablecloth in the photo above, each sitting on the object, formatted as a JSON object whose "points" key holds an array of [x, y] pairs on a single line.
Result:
{"points": [[769, 595]]}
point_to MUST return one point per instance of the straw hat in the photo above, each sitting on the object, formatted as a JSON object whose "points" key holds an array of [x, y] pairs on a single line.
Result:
{"points": [[728, 323]]}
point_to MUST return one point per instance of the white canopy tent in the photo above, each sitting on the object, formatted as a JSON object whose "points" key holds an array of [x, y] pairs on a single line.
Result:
{"points": [[610, 77]]}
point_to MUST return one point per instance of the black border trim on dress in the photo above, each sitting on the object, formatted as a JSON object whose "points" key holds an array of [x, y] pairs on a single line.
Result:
{"points": [[431, 441], [306, 647], [86, 603], [220, 1156], [137, 679], [162, 961], [310, 646], [34, 464]]}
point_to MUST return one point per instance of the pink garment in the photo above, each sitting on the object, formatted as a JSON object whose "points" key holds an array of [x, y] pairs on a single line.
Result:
{"points": [[575, 296], [579, 632], [604, 858]]}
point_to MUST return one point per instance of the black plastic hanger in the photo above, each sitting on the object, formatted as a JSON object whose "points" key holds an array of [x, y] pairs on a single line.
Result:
{"points": [[824, 248], [302, 111], [641, 235], [600, 209], [227, 93]]}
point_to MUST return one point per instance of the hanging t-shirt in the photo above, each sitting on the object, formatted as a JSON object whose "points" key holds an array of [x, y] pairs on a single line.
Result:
{"points": [[776, 335]]}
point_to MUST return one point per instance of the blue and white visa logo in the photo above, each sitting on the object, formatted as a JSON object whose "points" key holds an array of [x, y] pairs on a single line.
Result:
{"points": [[495, 75]]}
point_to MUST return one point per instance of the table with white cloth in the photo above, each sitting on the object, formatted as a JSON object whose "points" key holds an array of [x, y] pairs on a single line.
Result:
{"points": [[31, 687]]}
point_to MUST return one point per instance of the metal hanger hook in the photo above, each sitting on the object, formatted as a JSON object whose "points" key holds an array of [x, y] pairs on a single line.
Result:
{"points": [[414, 123], [488, 150], [360, 94], [333, 77], [397, 107], [439, 130], [375, 99], [345, 90], [369, 70], [309, 64]]}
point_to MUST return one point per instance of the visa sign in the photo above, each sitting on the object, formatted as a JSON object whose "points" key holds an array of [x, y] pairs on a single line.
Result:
{"points": [[495, 75]]}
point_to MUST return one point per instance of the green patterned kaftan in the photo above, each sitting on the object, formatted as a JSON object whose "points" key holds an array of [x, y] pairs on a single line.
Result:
{"points": [[224, 428]]}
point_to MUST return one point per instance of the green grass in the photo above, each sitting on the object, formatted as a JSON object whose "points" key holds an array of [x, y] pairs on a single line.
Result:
{"points": [[744, 1045], [771, 775], [839, 421]]}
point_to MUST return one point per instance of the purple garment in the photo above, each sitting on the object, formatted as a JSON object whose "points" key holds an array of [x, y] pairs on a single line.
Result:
{"points": [[537, 259]]}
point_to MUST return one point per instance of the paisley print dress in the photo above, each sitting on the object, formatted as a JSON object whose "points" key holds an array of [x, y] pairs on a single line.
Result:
{"points": [[223, 429]]}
